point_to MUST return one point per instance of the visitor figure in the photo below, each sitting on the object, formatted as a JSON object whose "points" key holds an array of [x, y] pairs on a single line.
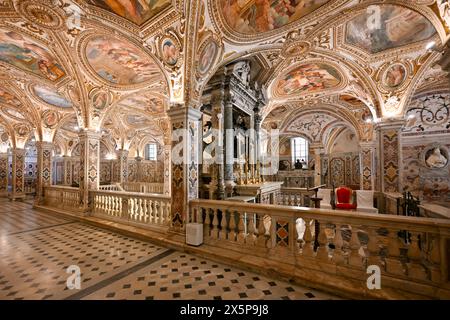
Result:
{"points": [[436, 159], [298, 164]]}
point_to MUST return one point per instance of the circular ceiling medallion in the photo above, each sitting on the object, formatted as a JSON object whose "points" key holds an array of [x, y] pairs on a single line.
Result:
{"points": [[395, 75], [41, 15]]}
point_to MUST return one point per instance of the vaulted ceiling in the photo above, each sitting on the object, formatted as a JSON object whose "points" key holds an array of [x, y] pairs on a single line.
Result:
{"points": [[117, 66]]}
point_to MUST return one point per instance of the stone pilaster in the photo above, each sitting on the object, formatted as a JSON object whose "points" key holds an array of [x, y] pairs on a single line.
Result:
{"points": [[122, 166], [138, 175], [318, 152], [44, 168], [367, 165], [167, 169], [4, 166], [89, 165], [18, 176], [390, 155], [185, 165], [67, 167], [229, 145]]}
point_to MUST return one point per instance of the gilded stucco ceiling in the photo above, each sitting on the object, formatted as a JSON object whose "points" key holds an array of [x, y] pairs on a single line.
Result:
{"points": [[117, 66]]}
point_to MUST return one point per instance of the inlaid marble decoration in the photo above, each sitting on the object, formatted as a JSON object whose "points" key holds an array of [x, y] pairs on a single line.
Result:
{"points": [[18, 169], [51, 97], [119, 62], [308, 78], [26, 54], [3, 173], [252, 17], [399, 27], [137, 11], [391, 159], [367, 165], [429, 114]]}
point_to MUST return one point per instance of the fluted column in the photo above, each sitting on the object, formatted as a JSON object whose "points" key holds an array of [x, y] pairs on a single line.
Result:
{"points": [[4, 166], [18, 176], [367, 165], [185, 165], [89, 165], [44, 168]]}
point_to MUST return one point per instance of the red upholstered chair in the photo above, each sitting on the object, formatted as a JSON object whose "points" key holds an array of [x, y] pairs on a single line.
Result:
{"points": [[344, 199]]}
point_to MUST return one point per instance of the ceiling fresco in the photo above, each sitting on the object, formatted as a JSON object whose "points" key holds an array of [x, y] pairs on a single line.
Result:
{"points": [[399, 26], [255, 16], [8, 98], [308, 78], [26, 54], [119, 62], [125, 63], [51, 97], [137, 11]]}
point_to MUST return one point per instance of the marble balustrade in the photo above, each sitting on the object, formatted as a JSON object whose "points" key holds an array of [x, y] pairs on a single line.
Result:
{"points": [[412, 253], [294, 197], [144, 187], [62, 197]]}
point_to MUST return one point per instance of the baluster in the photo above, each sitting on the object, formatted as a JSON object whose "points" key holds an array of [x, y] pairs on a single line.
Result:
{"points": [[338, 252], [223, 226], [307, 248], [241, 227], [373, 247], [393, 262], [261, 240], [415, 267], [215, 223], [199, 215], [232, 234], [322, 250], [144, 210], [434, 258], [132, 209], [162, 218], [252, 232], [158, 212], [355, 258], [207, 224]]}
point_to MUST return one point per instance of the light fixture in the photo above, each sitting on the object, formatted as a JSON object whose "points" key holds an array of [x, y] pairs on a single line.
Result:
{"points": [[430, 45], [411, 116]]}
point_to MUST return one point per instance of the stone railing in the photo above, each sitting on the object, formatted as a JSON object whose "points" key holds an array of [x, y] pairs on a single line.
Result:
{"points": [[334, 249], [62, 197], [144, 187], [146, 210], [294, 197], [110, 187]]}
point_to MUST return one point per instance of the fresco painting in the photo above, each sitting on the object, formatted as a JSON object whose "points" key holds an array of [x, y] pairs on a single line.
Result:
{"points": [[146, 102], [308, 78], [119, 62], [137, 11], [207, 57], [8, 98], [51, 97], [255, 16], [395, 76], [170, 52], [399, 26], [25, 54]]}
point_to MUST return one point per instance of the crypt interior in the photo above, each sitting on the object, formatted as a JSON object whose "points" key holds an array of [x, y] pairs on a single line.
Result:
{"points": [[224, 149]]}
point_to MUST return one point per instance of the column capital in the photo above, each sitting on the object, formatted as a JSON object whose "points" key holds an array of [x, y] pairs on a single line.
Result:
{"points": [[395, 124], [91, 134], [367, 144], [181, 113], [44, 144]]}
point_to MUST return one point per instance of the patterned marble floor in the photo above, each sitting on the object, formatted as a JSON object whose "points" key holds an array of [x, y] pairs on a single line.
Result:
{"points": [[36, 250]]}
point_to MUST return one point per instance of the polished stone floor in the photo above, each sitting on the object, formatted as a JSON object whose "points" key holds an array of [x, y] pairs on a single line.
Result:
{"points": [[37, 249]]}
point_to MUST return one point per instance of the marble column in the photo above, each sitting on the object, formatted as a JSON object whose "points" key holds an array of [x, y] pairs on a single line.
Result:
{"points": [[44, 168], [122, 166], [185, 173], [390, 155], [18, 174], [4, 166], [229, 147], [167, 168], [367, 165], [67, 168], [89, 165]]}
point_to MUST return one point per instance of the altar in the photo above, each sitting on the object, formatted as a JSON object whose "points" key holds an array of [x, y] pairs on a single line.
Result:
{"points": [[264, 192]]}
